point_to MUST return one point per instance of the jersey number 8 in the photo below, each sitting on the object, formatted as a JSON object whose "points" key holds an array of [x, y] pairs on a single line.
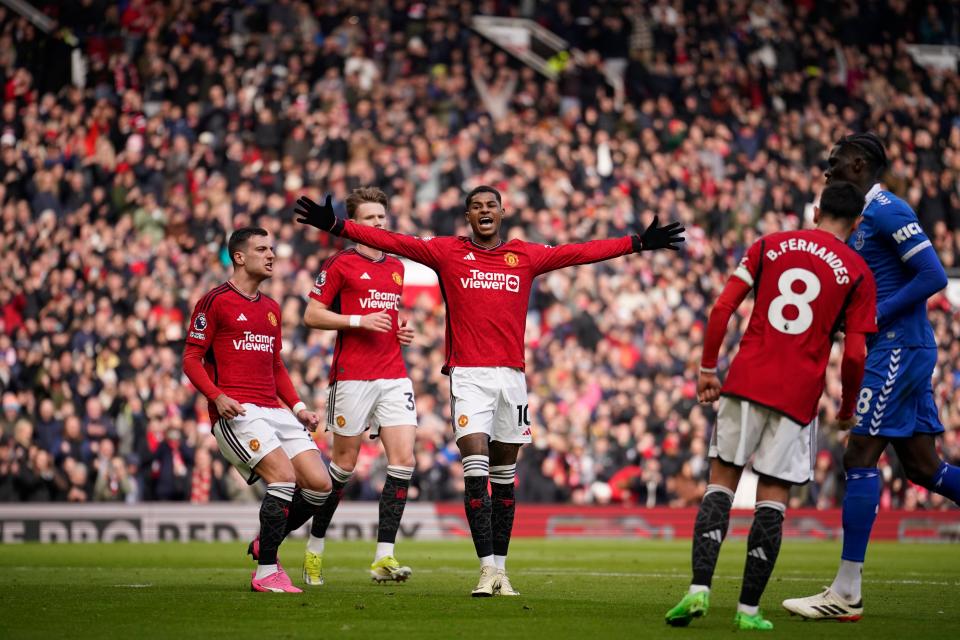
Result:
{"points": [[789, 298]]}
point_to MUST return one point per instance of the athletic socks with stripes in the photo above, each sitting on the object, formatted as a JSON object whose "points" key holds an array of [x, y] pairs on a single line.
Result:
{"points": [[305, 504], [946, 481], [709, 531], [476, 503], [763, 547], [324, 514], [273, 520], [504, 507], [393, 500]]}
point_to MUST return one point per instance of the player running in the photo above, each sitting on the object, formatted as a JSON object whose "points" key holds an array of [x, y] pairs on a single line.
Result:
{"points": [[486, 285], [896, 401], [358, 294], [806, 284], [232, 356]]}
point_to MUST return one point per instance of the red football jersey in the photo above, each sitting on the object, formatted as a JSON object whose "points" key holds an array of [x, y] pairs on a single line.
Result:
{"points": [[807, 285], [242, 340], [487, 291], [353, 284]]}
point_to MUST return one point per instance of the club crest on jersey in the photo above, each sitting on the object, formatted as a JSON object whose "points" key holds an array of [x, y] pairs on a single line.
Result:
{"points": [[200, 322], [858, 239], [463, 421], [341, 421], [397, 278], [254, 445], [272, 318], [511, 259]]}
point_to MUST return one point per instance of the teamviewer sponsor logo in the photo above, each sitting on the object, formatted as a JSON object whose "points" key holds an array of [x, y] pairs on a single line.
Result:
{"points": [[254, 342], [380, 300], [491, 280]]}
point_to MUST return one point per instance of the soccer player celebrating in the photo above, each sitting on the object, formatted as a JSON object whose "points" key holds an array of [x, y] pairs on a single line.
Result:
{"points": [[895, 404], [358, 294], [807, 284], [486, 285], [232, 356]]}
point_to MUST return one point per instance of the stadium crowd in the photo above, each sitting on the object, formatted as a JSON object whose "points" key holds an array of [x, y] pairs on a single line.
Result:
{"points": [[195, 118]]}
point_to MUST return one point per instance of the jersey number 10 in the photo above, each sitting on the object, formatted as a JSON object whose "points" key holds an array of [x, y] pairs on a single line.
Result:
{"points": [[789, 298]]}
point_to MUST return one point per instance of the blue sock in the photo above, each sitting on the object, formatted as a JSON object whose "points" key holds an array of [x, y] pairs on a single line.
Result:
{"points": [[859, 511], [946, 482]]}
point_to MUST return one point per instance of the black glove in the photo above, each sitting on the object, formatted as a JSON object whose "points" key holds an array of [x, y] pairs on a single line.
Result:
{"points": [[320, 216], [657, 237]]}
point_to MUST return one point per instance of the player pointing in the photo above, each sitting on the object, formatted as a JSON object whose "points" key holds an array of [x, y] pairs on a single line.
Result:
{"points": [[486, 285], [232, 356], [806, 284], [896, 403]]}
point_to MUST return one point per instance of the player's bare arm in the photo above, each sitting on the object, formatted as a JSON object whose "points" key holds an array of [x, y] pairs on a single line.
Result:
{"points": [[319, 316]]}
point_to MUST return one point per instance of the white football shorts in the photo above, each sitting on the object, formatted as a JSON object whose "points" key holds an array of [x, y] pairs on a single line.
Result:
{"points": [[353, 406], [780, 447], [490, 400], [245, 440]]}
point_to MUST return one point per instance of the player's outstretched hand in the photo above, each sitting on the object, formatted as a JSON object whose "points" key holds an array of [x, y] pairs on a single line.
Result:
{"points": [[320, 216], [379, 322], [656, 237], [405, 334], [228, 408], [708, 387], [309, 419]]}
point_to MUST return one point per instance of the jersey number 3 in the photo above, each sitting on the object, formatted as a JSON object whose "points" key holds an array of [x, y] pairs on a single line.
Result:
{"points": [[790, 298]]}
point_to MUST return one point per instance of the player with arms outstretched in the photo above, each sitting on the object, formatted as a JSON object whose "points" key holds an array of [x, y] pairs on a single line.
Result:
{"points": [[896, 403], [232, 357], [486, 285], [806, 285], [358, 293]]}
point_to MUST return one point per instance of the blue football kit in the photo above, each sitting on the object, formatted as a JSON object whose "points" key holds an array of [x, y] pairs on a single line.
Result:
{"points": [[896, 396]]}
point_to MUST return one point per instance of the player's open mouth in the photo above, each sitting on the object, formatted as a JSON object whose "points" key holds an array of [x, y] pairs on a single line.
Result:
{"points": [[484, 221]]}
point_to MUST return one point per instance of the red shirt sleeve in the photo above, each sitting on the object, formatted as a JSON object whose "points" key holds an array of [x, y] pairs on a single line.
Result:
{"points": [[281, 376], [422, 250], [545, 258], [328, 282], [861, 315], [749, 268], [851, 371], [193, 368], [203, 322], [731, 297]]}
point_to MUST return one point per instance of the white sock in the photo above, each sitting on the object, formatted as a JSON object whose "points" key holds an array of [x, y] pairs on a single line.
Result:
{"points": [[384, 549], [747, 609], [487, 561], [501, 562], [697, 588], [315, 544], [264, 570], [847, 583]]}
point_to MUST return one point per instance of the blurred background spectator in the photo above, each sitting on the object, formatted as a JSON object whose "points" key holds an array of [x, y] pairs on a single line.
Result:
{"points": [[195, 118]]}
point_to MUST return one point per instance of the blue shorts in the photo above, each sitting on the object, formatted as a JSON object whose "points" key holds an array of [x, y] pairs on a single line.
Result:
{"points": [[896, 397]]}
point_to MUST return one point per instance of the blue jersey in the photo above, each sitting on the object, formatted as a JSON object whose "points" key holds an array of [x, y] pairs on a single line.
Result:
{"points": [[889, 235]]}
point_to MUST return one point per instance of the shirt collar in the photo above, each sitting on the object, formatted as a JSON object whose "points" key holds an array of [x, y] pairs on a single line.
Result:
{"points": [[867, 199]]}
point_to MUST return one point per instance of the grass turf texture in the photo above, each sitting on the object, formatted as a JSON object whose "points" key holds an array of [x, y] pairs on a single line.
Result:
{"points": [[571, 589]]}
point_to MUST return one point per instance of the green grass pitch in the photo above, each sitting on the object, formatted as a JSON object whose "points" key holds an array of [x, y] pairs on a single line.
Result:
{"points": [[588, 590]]}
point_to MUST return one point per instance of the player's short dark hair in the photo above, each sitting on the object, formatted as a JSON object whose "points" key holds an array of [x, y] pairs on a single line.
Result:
{"points": [[238, 239], [841, 200], [870, 147], [484, 188], [362, 195]]}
